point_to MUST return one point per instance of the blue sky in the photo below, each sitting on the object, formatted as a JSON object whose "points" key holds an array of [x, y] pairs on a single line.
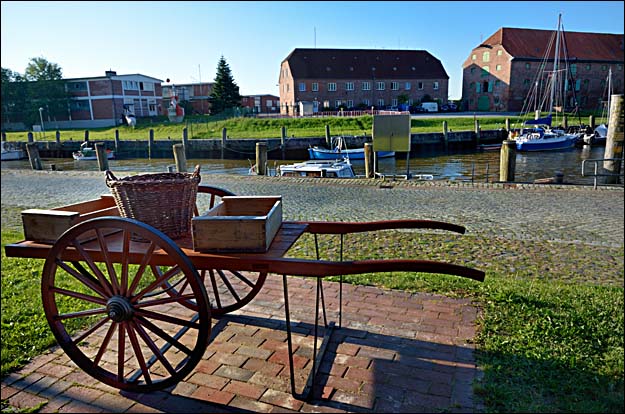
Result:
{"points": [[183, 40]]}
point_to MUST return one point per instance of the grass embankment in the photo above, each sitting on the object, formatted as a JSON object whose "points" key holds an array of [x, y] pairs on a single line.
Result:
{"points": [[551, 337], [207, 128]]}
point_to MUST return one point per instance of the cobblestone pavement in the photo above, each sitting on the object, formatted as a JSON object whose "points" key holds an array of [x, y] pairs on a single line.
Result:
{"points": [[396, 352]]}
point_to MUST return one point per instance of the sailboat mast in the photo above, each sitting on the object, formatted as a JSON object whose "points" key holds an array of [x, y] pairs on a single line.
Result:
{"points": [[556, 60], [609, 92]]}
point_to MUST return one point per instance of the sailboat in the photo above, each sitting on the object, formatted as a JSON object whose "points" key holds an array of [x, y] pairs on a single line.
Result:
{"points": [[600, 134], [541, 135]]}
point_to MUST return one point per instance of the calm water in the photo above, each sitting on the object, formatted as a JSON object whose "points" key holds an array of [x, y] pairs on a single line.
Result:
{"points": [[482, 166]]}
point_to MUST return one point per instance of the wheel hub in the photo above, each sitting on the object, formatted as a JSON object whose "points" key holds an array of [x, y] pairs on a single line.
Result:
{"points": [[119, 309]]}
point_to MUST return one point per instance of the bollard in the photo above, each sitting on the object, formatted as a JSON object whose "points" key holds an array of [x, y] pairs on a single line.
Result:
{"points": [[100, 152], [282, 141], [224, 137], [179, 158], [117, 142], [507, 124], [30, 137], [507, 160], [559, 177], [445, 135], [86, 135], [58, 136], [4, 136], [565, 122], [33, 156], [261, 158], [369, 172], [150, 143], [477, 131], [591, 122], [614, 141], [328, 137]]}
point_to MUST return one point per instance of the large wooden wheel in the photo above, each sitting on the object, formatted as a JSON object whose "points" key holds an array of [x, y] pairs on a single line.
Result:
{"points": [[227, 290], [112, 310]]}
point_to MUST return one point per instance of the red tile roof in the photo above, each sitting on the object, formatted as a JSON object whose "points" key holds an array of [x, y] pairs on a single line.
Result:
{"points": [[530, 43], [364, 64]]}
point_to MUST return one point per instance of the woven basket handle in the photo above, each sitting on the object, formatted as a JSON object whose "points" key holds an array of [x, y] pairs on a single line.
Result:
{"points": [[110, 177]]}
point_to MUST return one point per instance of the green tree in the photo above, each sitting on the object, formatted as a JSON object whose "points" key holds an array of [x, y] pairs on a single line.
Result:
{"points": [[13, 96], [46, 90], [225, 93]]}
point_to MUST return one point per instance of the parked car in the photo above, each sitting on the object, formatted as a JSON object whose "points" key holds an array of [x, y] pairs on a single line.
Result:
{"points": [[449, 107]]}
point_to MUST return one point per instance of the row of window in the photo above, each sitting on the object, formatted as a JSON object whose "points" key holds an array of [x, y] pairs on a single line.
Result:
{"points": [[487, 86], [137, 86], [486, 69], [349, 103], [365, 86]]}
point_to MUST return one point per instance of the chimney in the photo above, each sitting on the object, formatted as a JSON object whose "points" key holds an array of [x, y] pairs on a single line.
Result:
{"points": [[110, 73]]}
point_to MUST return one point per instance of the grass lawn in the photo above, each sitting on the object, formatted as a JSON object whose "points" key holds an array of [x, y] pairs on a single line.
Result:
{"points": [[551, 333], [206, 127]]}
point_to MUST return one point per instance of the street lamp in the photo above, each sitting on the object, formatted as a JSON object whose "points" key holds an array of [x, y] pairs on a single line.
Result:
{"points": [[41, 118]]}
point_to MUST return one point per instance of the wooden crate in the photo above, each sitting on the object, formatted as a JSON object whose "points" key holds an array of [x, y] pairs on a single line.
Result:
{"points": [[46, 226], [238, 224]]}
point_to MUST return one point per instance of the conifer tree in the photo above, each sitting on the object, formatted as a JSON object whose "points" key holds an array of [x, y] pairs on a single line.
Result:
{"points": [[225, 94]]}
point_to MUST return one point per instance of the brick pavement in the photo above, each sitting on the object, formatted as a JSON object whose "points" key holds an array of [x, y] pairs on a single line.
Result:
{"points": [[395, 352]]}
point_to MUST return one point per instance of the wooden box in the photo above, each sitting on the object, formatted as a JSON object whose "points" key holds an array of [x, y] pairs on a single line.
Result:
{"points": [[238, 224], [46, 226]]}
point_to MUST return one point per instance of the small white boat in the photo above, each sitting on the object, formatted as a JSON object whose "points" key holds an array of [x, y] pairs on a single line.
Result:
{"points": [[340, 150], [11, 152], [89, 153], [319, 168]]}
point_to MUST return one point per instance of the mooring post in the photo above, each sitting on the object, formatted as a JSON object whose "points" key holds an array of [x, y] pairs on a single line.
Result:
{"points": [[261, 158], [614, 141], [507, 125], [283, 141], [445, 136], [591, 121], [180, 158], [150, 143], [224, 137], [369, 173], [116, 141], [507, 160], [328, 137], [4, 136], [58, 136], [30, 137], [33, 156], [100, 153], [86, 135], [565, 122], [477, 131]]}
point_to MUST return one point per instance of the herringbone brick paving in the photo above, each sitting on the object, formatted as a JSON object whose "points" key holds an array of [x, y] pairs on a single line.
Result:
{"points": [[395, 352]]}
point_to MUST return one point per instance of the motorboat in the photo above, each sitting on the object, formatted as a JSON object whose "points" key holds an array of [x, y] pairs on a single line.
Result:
{"points": [[12, 152], [340, 168], [340, 150], [89, 153]]}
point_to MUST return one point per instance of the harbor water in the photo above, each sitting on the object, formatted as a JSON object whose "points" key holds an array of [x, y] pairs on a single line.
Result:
{"points": [[460, 166]]}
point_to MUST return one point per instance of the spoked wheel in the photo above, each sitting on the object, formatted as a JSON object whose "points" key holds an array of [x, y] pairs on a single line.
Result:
{"points": [[114, 315]]}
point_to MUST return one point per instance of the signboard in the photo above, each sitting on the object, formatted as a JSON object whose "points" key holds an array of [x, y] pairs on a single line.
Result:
{"points": [[391, 133]]}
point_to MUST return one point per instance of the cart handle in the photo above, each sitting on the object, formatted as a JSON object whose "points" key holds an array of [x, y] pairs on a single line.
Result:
{"points": [[340, 227]]}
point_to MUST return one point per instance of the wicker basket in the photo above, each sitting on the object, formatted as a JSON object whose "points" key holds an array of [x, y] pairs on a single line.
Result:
{"points": [[165, 201]]}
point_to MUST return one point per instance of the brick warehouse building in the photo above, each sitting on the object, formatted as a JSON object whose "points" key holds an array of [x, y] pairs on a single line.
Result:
{"points": [[359, 78], [498, 74], [196, 94]]}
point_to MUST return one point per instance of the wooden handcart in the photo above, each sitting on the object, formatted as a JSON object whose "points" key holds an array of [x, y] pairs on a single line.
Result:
{"points": [[143, 309]]}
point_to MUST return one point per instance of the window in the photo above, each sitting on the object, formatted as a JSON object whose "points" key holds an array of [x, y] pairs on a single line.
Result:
{"points": [[79, 105], [394, 102], [526, 82], [473, 57], [578, 84], [380, 86], [496, 100], [302, 87], [337, 103], [315, 87], [395, 86], [407, 86], [367, 102], [410, 101], [499, 52], [381, 103], [588, 66], [497, 83], [573, 68], [528, 65], [366, 86], [326, 104], [77, 86], [604, 67], [315, 106], [486, 57], [349, 86], [435, 86], [498, 67], [619, 67], [420, 86], [488, 86], [485, 71], [332, 87], [472, 69], [350, 103], [478, 87], [269, 103]]}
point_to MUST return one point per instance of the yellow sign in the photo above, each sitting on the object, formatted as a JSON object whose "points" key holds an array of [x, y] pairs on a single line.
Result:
{"points": [[391, 133]]}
